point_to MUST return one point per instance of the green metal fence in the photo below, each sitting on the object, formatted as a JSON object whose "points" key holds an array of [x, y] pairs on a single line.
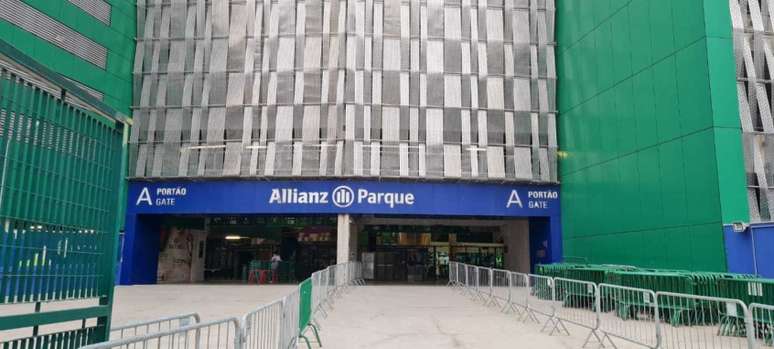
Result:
{"points": [[305, 312], [744, 287], [61, 191]]}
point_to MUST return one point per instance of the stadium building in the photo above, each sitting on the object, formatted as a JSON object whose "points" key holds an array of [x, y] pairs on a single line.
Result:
{"points": [[408, 133], [403, 134]]}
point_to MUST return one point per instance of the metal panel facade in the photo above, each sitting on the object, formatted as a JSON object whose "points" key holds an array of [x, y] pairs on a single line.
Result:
{"points": [[319, 88], [38, 23], [753, 30]]}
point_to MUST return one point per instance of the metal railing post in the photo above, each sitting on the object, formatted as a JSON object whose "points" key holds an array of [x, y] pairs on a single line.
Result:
{"points": [[749, 324]]}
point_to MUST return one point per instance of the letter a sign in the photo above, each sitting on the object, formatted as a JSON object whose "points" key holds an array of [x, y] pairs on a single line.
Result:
{"points": [[514, 199], [144, 197]]}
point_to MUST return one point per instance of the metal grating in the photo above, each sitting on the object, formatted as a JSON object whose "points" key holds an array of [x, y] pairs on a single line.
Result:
{"points": [[94, 93], [99, 9], [25, 17], [60, 184], [439, 89], [753, 42]]}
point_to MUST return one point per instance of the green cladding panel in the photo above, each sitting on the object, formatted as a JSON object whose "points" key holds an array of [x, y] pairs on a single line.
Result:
{"points": [[62, 165], [112, 81], [651, 163]]}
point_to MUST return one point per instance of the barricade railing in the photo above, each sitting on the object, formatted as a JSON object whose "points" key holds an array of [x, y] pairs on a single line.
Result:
{"points": [[576, 302], [763, 323], [476, 283], [261, 327], [341, 280], [277, 325], [612, 313], [540, 299], [501, 290], [332, 272], [289, 329], [225, 333], [689, 321], [484, 284], [629, 314], [462, 275], [471, 281], [153, 326], [357, 274], [519, 292], [320, 286], [452, 274]]}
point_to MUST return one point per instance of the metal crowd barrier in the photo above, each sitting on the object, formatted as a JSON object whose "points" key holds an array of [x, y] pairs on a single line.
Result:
{"points": [[289, 326], [277, 325], [612, 313], [153, 326], [225, 333], [540, 299], [462, 275], [576, 302], [453, 274], [501, 288], [519, 291], [261, 327], [763, 323], [704, 322], [629, 314], [484, 285]]}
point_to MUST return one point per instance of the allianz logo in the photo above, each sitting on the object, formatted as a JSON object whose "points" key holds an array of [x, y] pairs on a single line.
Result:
{"points": [[342, 196]]}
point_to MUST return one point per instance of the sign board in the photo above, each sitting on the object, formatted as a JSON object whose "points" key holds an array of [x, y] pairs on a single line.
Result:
{"points": [[332, 197]]}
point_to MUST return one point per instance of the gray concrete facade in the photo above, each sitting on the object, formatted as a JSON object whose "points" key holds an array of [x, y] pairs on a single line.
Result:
{"points": [[345, 88]]}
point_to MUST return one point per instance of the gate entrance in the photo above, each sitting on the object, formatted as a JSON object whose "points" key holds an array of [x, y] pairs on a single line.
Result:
{"points": [[239, 248], [418, 250], [312, 224]]}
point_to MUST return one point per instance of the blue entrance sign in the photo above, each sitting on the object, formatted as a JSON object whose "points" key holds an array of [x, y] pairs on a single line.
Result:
{"points": [[356, 197], [149, 202]]}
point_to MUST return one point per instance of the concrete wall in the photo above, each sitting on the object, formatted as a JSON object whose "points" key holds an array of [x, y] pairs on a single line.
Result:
{"points": [[515, 235], [347, 230]]}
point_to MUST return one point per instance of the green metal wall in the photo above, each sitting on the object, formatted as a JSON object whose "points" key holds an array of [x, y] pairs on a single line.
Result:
{"points": [[115, 81], [62, 194], [651, 162]]}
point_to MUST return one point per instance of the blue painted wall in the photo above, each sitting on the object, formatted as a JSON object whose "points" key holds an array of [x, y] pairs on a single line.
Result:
{"points": [[751, 251], [141, 250]]}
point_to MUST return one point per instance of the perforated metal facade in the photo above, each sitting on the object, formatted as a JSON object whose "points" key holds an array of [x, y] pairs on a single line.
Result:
{"points": [[753, 35], [458, 89]]}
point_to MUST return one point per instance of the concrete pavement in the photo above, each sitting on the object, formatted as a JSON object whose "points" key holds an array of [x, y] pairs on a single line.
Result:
{"points": [[382, 317], [211, 301]]}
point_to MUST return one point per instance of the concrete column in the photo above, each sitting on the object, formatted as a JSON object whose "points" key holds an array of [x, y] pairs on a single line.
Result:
{"points": [[515, 235], [346, 239]]}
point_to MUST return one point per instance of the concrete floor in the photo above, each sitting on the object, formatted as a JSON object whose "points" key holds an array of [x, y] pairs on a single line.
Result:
{"points": [[212, 302], [374, 317], [148, 302], [381, 317]]}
